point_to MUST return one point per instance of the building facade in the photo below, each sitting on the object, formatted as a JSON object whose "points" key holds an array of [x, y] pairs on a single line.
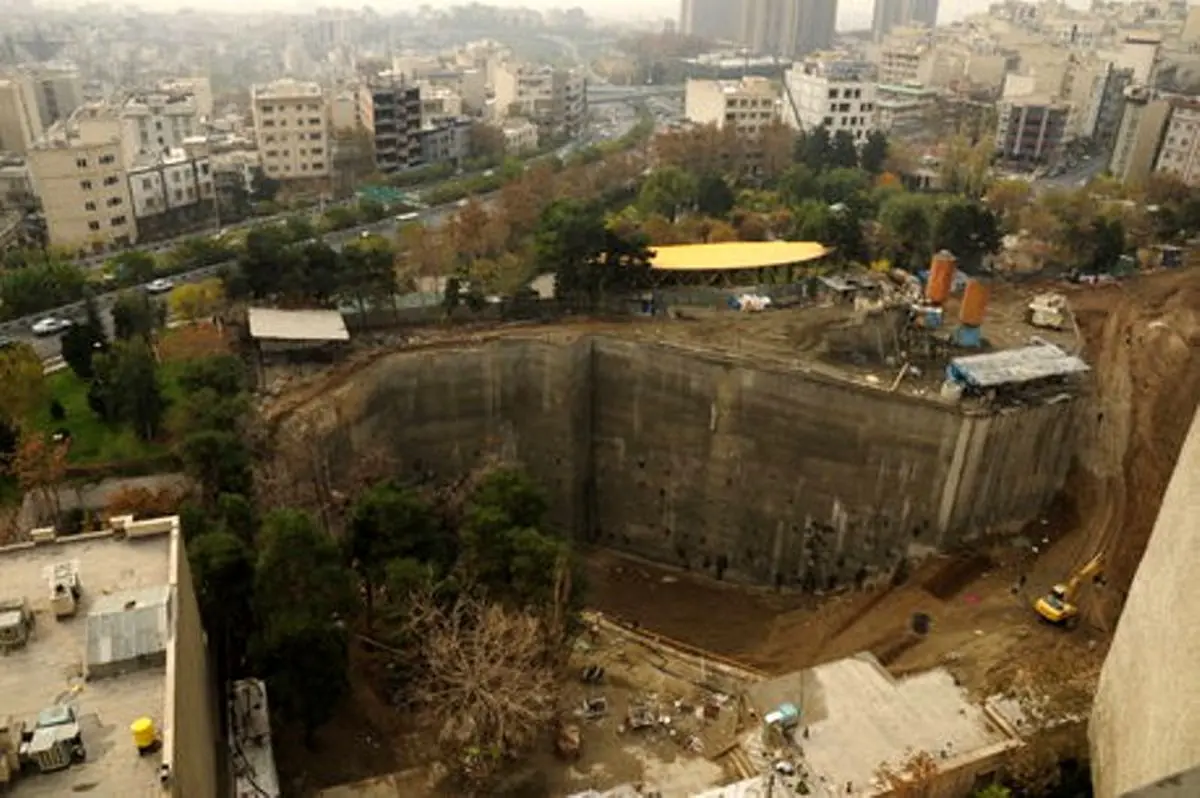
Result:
{"points": [[85, 197], [553, 99], [1143, 126], [904, 111], [1031, 130], [787, 28], [155, 123], [709, 19], [902, 13], [397, 123], [832, 92], [20, 123], [520, 135], [172, 191], [748, 105], [291, 128], [59, 91], [447, 142], [1179, 154]]}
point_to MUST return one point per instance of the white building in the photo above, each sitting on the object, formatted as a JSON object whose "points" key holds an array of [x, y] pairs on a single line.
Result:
{"points": [[831, 91], [291, 127], [155, 123], [520, 135], [747, 105], [169, 182], [904, 110], [20, 122], [1179, 154], [440, 105], [198, 87], [554, 99]]}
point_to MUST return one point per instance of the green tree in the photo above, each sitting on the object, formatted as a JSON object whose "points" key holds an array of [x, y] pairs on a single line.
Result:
{"points": [[907, 224], [1105, 245], [388, 523], [994, 791], [714, 197], [323, 272], [133, 267], [817, 148], [370, 271], [302, 594], [223, 575], [797, 184], [137, 315], [199, 251], [219, 461], [969, 230], [874, 152], [224, 374], [40, 286], [669, 190], [843, 154], [22, 383], [588, 258], [81, 343], [265, 264], [131, 390], [844, 186]]}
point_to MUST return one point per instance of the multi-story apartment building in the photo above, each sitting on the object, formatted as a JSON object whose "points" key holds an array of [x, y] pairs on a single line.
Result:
{"points": [[831, 91], [553, 99], [709, 19], [902, 13], [520, 135], [172, 191], [154, 123], [291, 127], [446, 142], [1179, 153], [78, 175], [16, 190], [397, 123], [20, 123], [787, 28], [1140, 135], [747, 105], [198, 87], [1031, 129], [350, 109], [439, 105], [906, 55], [904, 111]]}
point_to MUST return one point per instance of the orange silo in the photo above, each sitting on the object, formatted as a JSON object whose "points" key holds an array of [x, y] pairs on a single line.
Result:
{"points": [[974, 304], [941, 277]]}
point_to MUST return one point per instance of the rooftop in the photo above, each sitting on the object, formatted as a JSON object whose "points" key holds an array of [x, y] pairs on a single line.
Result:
{"points": [[282, 89], [1014, 366], [297, 325], [857, 717], [117, 575]]}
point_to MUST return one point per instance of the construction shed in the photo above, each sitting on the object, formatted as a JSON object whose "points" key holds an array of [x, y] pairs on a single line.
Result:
{"points": [[297, 334]]}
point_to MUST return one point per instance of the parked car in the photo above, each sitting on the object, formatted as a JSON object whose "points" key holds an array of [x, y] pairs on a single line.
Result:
{"points": [[411, 216], [160, 286], [51, 325]]}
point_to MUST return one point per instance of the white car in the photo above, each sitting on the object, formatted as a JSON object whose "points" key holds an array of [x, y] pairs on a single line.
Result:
{"points": [[412, 216], [51, 325], [159, 286]]}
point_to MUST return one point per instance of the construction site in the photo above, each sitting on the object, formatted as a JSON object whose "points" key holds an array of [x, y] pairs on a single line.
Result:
{"points": [[877, 533]]}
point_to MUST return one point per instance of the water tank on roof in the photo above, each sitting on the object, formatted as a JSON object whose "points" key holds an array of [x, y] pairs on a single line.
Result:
{"points": [[974, 304], [941, 277]]}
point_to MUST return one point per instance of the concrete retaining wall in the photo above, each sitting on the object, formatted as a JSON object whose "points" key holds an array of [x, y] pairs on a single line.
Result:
{"points": [[737, 470]]}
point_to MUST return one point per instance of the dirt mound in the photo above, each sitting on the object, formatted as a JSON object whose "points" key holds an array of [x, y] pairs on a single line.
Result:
{"points": [[1143, 341]]}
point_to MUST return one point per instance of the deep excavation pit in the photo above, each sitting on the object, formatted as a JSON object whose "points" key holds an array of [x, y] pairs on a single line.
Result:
{"points": [[738, 470]]}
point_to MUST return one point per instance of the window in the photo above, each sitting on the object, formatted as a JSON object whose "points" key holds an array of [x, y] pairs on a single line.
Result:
{"points": [[81, 163], [93, 225], [313, 106], [117, 221], [827, 121], [272, 169], [303, 167], [272, 153], [107, 159], [319, 165], [174, 177], [89, 206], [287, 152], [316, 151], [111, 180], [314, 136], [147, 183], [179, 195], [299, 107], [833, 93], [113, 202], [300, 151], [268, 139], [191, 193], [203, 168], [86, 185], [268, 123], [158, 125], [314, 121]]}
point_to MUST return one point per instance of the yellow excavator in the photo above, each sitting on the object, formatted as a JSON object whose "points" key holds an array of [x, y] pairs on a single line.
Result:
{"points": [[1058, 606]]}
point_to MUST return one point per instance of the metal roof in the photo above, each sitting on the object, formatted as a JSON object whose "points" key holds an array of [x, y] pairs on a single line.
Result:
{"points": [[297, 325], [126, 626], [1010, 366]]}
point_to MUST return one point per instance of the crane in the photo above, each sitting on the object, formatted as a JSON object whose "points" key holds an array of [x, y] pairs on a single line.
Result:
{"points": [[1058, 606]]}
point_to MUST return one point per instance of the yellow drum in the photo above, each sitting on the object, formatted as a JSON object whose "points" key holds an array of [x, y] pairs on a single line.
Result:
{"points": [[145, 736]]}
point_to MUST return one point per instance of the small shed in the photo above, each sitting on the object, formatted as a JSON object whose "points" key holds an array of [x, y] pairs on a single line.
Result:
{"points": [[297, 334], [128, 631]]}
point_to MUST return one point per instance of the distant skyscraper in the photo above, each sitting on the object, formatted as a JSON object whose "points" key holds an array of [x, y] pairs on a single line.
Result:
{"points": [[787, 28], [898, 13], [710, 19]]}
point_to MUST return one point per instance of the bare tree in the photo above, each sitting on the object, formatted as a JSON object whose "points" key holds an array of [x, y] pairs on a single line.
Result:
{"points": [[484, 678]]}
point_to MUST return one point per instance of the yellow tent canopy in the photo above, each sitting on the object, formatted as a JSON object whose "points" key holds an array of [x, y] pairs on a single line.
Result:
{"points": [[732, 255]]}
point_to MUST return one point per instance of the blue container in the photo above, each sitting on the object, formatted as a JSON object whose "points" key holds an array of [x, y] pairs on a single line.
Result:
{"points": [[969, 337]]}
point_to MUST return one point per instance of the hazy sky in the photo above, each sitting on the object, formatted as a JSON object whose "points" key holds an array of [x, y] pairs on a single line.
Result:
{"points": [[851, 13]]}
